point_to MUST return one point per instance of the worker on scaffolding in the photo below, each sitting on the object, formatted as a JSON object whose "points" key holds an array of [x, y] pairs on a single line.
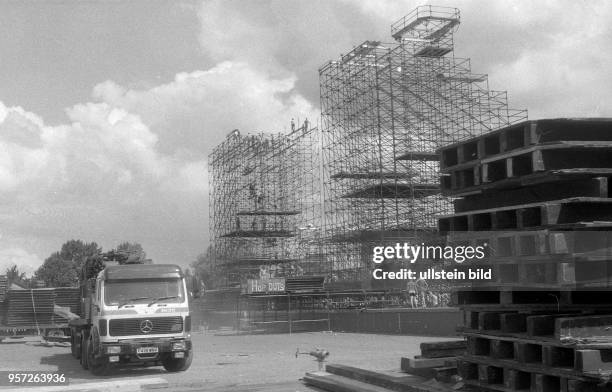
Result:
{"points": [[259, 200], [422, 289], [306, 125], [433, 299], [292, 125], [252, 191], [411, 288]]}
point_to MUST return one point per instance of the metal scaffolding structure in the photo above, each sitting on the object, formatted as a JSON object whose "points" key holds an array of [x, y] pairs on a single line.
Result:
{"points": [[386, 109], [265, 198]]}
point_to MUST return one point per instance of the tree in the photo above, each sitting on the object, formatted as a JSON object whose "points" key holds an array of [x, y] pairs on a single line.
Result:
{"points": [[133, 252], [57, 272], [78, 251], [13, 274], [202, 268], [62, 269], [94, 264]]}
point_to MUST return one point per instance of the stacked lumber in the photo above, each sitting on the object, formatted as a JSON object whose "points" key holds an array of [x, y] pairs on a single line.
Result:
{"points": [[434, 370], [537, 196], [3, 287], [68, 297], [438, 360], [29, 307]]}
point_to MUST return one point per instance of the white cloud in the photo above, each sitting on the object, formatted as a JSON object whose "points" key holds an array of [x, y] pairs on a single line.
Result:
{"points": [[197, 109], [551, 56], [284, 38], [132, 165], [26, 262]]}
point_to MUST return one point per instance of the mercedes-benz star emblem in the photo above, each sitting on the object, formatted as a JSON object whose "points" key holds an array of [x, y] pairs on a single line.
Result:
{"points": [[146, 326]]}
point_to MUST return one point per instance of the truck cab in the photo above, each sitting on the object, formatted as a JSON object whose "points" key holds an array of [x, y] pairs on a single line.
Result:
{"points": [[135, 313]]}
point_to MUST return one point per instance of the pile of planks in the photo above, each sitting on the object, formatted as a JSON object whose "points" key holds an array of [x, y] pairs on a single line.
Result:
{"points": [[536, 196], [438, 360], [434, 370], [28, 308], [68, 297], [3, 287]]}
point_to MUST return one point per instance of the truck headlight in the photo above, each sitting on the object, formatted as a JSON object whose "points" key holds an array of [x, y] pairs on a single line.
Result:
{"points": [[113, 349], [177, 346], [188, 323], [102, 327]]}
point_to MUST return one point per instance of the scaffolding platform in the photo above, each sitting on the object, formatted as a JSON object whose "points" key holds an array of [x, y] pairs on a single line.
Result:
{"points": [[365, 235], [371, 175], [257, 261], [433, 51], [391, 190], [426, 22], [269, 212], [418, 156], [258, 233]]}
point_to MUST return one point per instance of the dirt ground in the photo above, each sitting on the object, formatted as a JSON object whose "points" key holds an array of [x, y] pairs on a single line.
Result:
{"points": [[231, 362]]}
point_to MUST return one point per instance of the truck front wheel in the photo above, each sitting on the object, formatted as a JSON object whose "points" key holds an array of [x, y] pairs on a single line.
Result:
{"points": [[178, 364], [97, 366]]}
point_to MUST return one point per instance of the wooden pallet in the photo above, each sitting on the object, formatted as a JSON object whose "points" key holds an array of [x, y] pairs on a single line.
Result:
{"points": [[522, 135], [587, 359], [537, 178], [523, 324], [443, 349], [593, 158], [578, 212], [503, 377], [548, 274], [469, 178], [524, 191], [524, 298], [566, 327], [537, 245]]}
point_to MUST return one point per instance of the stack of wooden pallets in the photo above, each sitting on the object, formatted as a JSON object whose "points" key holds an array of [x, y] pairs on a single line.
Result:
{"points": [[29, 307], [537, 196], [69, 297], [35, 307], [3, 287]]}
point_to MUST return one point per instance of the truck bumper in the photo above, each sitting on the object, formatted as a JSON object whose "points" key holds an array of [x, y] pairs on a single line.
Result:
{"points": [[140, 350]]}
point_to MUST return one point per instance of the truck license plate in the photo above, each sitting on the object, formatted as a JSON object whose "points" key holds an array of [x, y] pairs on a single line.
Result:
{"points": [[147, 350]]}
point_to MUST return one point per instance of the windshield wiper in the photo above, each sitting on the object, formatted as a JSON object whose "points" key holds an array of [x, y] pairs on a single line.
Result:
{"points": [[127, 301], [161, 299]]}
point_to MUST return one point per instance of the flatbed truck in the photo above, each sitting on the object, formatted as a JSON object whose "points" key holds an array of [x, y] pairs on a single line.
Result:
{"points": [[133, 314]]}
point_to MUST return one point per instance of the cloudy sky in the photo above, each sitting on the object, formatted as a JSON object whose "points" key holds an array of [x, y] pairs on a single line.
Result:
{"points": [[109, 109]]}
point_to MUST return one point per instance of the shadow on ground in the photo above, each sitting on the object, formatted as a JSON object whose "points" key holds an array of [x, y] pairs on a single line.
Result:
{"points": [[68, 365]]}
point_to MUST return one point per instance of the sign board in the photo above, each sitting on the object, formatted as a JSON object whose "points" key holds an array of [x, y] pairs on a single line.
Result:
{"points": [[264, 286]]}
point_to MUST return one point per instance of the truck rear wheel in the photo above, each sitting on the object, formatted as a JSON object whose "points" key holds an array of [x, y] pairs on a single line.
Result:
{"points": [[178, 364], [75, 347], [84, 353]]}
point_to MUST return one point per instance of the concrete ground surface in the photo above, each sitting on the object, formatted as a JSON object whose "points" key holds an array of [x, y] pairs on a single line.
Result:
{"points": [[222, 363]]}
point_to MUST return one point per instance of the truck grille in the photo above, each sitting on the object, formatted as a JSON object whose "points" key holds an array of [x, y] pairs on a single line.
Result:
{"points": [[145, 326]]}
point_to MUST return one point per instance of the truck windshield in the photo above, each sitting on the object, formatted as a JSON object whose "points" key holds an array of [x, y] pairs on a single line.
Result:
{"points": [[123, 292]]}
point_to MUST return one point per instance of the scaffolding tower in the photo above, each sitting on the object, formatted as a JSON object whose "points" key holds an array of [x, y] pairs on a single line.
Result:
{"points": [[386, 109], [265, 198]]}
